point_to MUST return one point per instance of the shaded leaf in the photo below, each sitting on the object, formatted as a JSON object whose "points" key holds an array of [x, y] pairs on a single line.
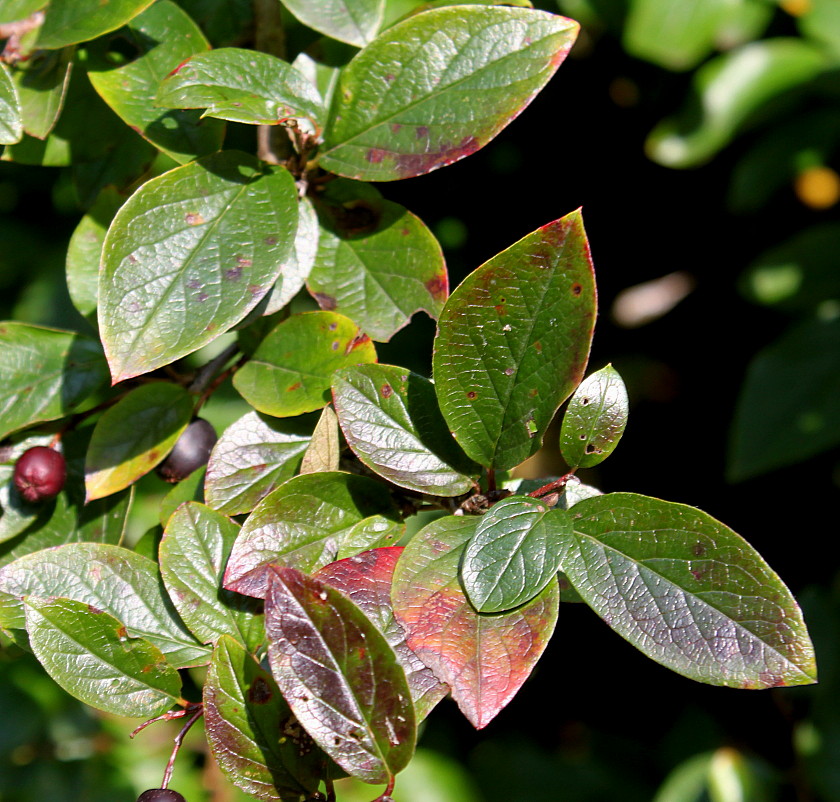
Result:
{"points": [[483, 658], [322, 453], [192, 556], [437, 87], [253, 456], [89, 653], [189, 489], [69, 22], [595, 419], [242, 709], [11, 115], [291, 370], [366, 580], [41, 82], [308, 522], [112, 579], [46, 373], [14, 10], [513, 341], [18, 514], [514, 553], [189, 255], [687, 591], [135, 435], [353, 21], [339, 676], [391, 420]]}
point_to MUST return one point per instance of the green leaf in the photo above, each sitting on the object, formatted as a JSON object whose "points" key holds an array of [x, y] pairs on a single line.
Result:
{"points": [[11, 114], [163, 36], [687, 591], [483, 658], [366, 580], [189, 255], [41, 82], [17, 513], [46, 373], [350, 273], [308, 522], [112, 579], [727, 91], [514, 553], [135, 435], [69, 22], [193, 554], [243, 86], [789, 407], [391, 420], [242, 710], [291, 371], [323, 452], [90, 654], [439, 86], [14, 10], [353, 21], [339, 676], [513, 341], [253, 456], [189, 489], [595, 419]]}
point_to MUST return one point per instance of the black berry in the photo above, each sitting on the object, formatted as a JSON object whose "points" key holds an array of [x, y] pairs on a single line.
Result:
{"points": [[191, 451], [40, 473], [160, 795]]}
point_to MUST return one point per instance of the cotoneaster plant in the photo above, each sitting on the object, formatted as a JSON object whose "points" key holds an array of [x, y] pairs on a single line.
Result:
{"points": [[326, 637]]}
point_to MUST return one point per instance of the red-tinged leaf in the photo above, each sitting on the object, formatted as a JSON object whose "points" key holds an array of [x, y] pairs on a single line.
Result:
{"points": [[366, 579], [339, 676], [483, 658]]}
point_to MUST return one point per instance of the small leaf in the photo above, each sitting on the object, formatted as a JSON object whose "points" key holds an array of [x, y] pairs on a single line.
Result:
{"points": [[483, 658], [513, 554], [112, 579], [193, 553], [339, 676], [291, 370], [687, 591], [89, 654], [513, 341], [46, 373], [11, 114], [253, 456], [189, 255], [243, 86], [439, 86], [242, 709], [353, 21], [308, 522], [366, 580], [392, 422], [595, 419], [42, 81], [134, 436], [69, 22], [322, 453]]}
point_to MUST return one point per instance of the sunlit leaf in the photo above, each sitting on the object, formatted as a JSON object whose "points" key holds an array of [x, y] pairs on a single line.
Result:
{"points": [[14, 10], [11, 116], [322, 453], [71, 21], [41, 82], [353, 21]]}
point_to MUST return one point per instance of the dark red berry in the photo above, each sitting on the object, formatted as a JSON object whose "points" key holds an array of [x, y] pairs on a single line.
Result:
{"points": [[160, 795], [191, 451], [40, 473]]}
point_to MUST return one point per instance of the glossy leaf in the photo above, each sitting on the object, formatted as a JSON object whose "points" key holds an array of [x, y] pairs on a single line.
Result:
{"points": [[353, 21], [244, 86], [41, 81], [242, 709], [162, 36], [513, 341], [308, 522], [514, 553], [339, 676], [391, 420], [11, 116], [323, 452], [366, 580], [135, 435], [595, 419], [189, 255], [291, 371], [192, 556], [46, 373], [254, 456], [483, 658], [438, 86], [112, 579], [69, 22], [687, 591], [90, 654]]}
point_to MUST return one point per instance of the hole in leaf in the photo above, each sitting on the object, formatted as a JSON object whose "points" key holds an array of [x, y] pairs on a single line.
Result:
{"points": [[121, 50], [576, 289], [591, 449], [584, 401]]}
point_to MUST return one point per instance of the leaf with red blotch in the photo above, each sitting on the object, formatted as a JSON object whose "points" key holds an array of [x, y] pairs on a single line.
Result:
{"points": [[339, 676], [366, 579], [483, 658]]}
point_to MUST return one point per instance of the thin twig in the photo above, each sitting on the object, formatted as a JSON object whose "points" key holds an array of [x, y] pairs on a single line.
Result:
{"points": [[179, 739], [557, 484], [206, 372]]}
